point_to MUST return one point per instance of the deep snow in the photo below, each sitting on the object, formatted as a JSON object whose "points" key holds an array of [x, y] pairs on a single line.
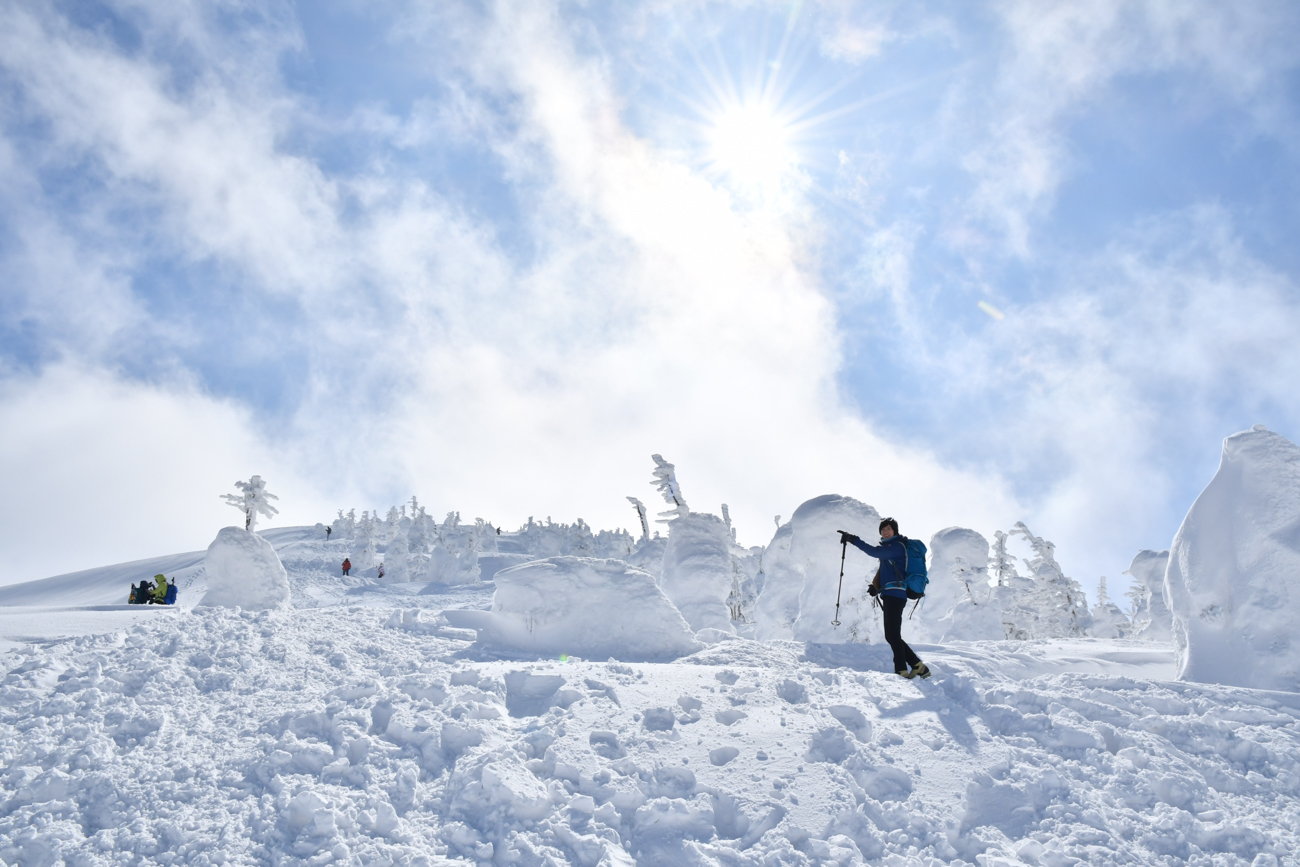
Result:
{"points": [[357, 728]]}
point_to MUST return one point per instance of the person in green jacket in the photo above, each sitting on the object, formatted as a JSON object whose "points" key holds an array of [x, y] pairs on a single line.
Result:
{"points": [[160, 590]]}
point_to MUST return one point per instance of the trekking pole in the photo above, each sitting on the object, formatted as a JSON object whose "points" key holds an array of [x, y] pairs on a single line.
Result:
{"points": [[844, 548]]}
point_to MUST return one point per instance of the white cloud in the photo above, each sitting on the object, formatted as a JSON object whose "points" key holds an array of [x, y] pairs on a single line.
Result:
{"points": [[1060, 58], [1112, 387], [653, 317], [98, 470]]}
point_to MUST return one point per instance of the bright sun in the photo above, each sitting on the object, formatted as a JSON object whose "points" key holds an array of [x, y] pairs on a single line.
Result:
{"points": [[751, 145]]}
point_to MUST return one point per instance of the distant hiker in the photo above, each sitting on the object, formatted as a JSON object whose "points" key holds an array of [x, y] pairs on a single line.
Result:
{"points": [[381, 572], [890, 586], [347, 564], [328, 530], [159, 596]]}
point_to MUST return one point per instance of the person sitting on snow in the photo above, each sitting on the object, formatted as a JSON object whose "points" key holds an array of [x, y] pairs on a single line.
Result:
{"points": [[159, 596], [347, 564], [889, 587]]}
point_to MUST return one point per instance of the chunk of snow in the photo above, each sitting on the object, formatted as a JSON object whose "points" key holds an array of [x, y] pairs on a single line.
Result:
{"points": [[1233, 579], [243, 570], [583, 607]]}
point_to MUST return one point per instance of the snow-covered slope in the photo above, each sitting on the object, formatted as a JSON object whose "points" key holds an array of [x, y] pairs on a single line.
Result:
{"points": [[344, 734], [354, 729]]}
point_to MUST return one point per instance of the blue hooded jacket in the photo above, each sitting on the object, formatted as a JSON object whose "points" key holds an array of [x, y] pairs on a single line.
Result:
{"points": [[893, 564]]}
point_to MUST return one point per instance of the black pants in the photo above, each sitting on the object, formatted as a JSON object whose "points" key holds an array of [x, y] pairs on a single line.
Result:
{"points": [[903, 655]]}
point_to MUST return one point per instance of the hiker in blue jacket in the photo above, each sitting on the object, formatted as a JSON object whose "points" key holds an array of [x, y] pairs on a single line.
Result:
{"points": [[888, 587]]}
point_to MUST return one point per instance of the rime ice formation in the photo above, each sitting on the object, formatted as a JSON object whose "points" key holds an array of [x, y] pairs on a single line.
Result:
{"points": [[580, 607], [697, 570], [243, 570], [815, 555], [1152, 619], [1234, 569], [1108, 621], [958, 603]]}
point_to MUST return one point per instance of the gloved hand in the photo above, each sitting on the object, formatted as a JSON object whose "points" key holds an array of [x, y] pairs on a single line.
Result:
{"points": [[846, 536], [873, 590]]}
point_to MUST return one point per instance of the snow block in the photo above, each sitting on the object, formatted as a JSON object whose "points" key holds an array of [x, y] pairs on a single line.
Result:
{"points": [[815, 556], [578, 606], [243, 570], [1233, 580], [697, 572]]}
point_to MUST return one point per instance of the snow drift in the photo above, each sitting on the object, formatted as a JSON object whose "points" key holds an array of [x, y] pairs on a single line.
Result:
{"points": [[1234, 569], [243, 570], [580, 607]]}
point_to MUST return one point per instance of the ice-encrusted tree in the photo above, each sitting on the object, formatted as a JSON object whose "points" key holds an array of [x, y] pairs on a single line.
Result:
{"points": [[363, 546], [1108, 621], [726, 519], [665, 480], [1001, 566], [253, 499], [640, 513], [1055, 604]]}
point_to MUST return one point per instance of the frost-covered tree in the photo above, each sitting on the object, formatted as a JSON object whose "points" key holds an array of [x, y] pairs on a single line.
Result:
{"points": [[363, 546], [253, 499], [1108, 621], [392, 523], [640, 513], [1052, 605], [726, 519], [665, 480], [1002, 568]]}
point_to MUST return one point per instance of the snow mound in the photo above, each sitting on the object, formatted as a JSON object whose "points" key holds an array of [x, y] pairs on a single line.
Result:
{"points": [[582, 607], [697, 574], [815, 556], [244, 571], [1234, 569]]}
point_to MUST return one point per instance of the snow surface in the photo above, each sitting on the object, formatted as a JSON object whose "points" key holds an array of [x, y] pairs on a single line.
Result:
{"points": [[578, 606], [243, 571], [1233, 578], [357, 726]]}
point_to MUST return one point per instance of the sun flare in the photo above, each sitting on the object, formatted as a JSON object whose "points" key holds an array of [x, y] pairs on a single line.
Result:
{"points": [[751, 146]]}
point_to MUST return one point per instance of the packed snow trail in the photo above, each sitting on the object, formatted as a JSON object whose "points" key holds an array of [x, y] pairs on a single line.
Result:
{"points": [[354, 734]]}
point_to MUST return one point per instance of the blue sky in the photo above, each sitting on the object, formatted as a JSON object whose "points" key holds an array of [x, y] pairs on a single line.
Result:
{"points": [[969, 262]]}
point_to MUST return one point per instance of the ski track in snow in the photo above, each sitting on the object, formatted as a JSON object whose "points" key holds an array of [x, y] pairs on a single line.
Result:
{"points": [[355, 729]]}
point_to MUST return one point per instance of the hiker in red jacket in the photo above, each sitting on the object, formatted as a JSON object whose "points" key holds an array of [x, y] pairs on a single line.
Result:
{"points": [[347, 564]]}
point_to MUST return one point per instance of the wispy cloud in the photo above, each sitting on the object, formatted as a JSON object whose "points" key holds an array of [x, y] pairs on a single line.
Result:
{"points": [[646, 314]]}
